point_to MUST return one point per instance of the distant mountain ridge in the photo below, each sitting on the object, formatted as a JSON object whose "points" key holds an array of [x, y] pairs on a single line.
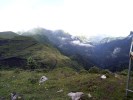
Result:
{"points": [[108, 52]]}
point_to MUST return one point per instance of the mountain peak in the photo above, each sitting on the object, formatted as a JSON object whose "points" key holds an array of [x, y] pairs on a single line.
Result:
{"points": [[131, 33], [8, 34]]}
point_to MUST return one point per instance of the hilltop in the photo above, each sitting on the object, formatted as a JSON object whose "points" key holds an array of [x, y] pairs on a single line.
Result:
{"points": [[15, 51]]}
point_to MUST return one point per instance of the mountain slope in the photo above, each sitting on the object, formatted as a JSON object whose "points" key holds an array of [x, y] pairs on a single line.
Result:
{"points": [[114, 54], [7, 34], [107, 52], [74, 47], [19, 48]]}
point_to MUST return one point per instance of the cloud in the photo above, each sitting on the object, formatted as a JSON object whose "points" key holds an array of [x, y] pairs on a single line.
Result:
{"points": [[79, 17], [115, 52], [77, 42]]}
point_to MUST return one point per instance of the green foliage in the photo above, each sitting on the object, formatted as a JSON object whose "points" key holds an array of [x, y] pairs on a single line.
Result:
{"points": [[44, 54], [83, 71], [17, 71], [125, 72], [31, 63], [8, 34], [105, 71], [94, 69]]}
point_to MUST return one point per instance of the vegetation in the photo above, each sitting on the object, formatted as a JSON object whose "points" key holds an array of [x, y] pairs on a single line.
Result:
{"points": [[7, 35], [24, 59], [66, 79], [15, 52], [31, 63], [94, 69]]}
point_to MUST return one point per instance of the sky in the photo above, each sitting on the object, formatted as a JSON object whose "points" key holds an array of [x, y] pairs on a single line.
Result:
{"points": [[78, 17]]}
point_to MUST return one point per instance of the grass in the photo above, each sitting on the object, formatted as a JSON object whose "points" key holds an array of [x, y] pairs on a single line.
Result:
{"points": [[24, 47], [26, 83]]}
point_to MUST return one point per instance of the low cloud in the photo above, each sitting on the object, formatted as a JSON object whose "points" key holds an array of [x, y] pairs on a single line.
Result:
{"points": [[77, 42]]}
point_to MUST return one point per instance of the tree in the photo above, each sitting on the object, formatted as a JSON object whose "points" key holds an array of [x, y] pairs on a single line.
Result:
{"points": [[31, 63]]}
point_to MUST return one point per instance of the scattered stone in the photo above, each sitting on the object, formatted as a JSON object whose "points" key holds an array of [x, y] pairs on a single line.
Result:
{"points": [[103, 77], [75, 96], [43, 79], [116, 75], [16, 96], [89, 95], [60, 91]]}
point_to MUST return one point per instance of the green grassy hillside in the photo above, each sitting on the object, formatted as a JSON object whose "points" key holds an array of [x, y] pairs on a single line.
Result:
{"points": [[7, 34], [66, 79], [19, 48]]}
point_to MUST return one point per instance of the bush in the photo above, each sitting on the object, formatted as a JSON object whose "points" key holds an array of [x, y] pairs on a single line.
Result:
{"points": [[94, 70], [83, 71], [31, 63], [109, 75], [105, 71], [125, 72], [17, 71]]}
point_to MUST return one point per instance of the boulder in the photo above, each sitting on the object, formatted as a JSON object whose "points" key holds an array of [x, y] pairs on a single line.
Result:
{"points": [[60, 91], [43, 79], [16, 96], [103, 77], [89, 95], [76, 95]]}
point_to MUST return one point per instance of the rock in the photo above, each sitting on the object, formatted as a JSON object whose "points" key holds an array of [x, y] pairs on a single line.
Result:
{"points": [[103, 77], [43, 79], [75, 96], [16, 96], [89, 95], [60, 91], [86, 97], [116, 75]]}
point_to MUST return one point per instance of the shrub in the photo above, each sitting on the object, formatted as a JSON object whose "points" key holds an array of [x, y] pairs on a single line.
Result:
{"points": [[17, 71], [94, 69], [31, 63], [83, 71], [105, 71], [125, 72]]}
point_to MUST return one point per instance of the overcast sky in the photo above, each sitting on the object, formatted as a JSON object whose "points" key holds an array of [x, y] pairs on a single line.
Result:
{"points": [[78, 17]]}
